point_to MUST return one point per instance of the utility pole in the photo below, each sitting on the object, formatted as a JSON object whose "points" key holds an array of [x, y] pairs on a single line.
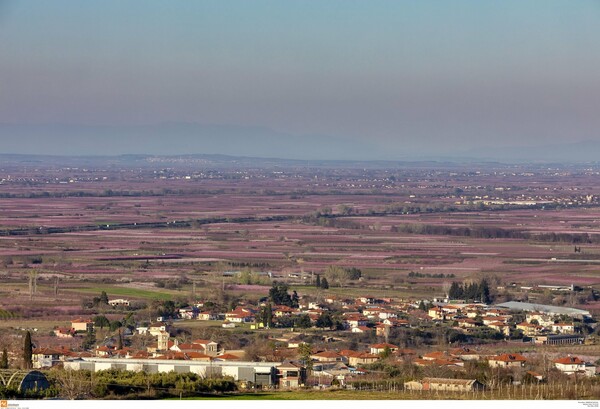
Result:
{"points": [[56, 280]]}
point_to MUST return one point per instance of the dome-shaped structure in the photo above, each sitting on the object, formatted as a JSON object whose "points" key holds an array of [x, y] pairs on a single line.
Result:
{"points": [[24, 380]]}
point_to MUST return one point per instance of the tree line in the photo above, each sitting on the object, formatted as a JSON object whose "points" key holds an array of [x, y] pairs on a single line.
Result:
{"points": [[496, 233], [471, 291], [414, 274], [72, 384]]}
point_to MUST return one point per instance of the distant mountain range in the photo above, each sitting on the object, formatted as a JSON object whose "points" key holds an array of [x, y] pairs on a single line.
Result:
{"points": [[577, 152], [255, 142], [176, 139]]}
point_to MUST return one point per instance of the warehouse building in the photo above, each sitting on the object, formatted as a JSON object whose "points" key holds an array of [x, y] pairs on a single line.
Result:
{"points": [[547, 309], [260, 374]]}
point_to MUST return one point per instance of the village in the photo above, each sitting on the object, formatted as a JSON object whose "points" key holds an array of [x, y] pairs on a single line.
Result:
{"points": [[344, 343]]}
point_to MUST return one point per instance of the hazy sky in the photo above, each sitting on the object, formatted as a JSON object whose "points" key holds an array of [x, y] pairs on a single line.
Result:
{"points": [[408, 77]]}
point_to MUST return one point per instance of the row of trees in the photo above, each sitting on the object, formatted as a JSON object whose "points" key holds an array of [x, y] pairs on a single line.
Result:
{"points": [[471, 291], [476, 232], [293, 321], [248, 276], [496, 233], [413, 274], [115, 383]]}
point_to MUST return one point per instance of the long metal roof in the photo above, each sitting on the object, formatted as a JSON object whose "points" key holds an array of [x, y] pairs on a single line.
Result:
{"points": [[551, 309]]}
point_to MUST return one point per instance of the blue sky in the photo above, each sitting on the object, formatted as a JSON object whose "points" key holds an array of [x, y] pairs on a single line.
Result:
{"points": [[408, 77]]}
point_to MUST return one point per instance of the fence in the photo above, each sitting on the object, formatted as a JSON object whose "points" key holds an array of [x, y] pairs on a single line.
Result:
{"points": [[578, 390]]}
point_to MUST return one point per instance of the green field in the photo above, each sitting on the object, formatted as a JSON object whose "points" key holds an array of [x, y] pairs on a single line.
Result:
{"points": [[524, 392], [191, 324], [350, 292], [128, 292], [43, 325], [310, 395]]}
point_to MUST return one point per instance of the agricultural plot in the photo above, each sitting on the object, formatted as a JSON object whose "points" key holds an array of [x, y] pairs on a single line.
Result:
{"points": [[410, 231]]}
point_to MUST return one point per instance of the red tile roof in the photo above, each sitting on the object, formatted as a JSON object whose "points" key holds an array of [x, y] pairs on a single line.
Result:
{"points": [[197, 355], [382, 346], [327, 354], [47, 351], [201, 341], [509, 358], [570, 360], [435, 355], [228, 357], [348, 353]]}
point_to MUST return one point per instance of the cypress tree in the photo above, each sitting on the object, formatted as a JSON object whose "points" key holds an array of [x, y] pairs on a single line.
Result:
{"points": [[455, 291], [484, 289], [295, 300], [4, 361], [318, 283], [268, 316], [120, 345], [27, 351], [472, 291], [89, 340]]}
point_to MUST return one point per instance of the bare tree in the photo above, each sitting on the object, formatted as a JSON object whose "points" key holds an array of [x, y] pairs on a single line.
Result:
{"points": [[56, 281], [446, 288], [33, 275], [141, 342], [337, 274], [73, 384]]}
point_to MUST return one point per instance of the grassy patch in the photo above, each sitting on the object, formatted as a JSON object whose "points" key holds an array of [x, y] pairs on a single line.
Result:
{"points": [[309, 395], [191, 324], [126, 292], [5, 315], [523, 392], [43, 326]]}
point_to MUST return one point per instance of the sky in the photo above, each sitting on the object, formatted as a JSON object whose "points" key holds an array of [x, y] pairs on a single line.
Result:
{"points": [[377, 79]]}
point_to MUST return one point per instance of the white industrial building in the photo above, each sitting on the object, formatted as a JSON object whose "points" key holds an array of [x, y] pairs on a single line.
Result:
{"points": [[259, 373], [546, 309]]}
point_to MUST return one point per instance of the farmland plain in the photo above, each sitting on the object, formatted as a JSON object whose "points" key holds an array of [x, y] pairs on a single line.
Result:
{"points": [[410, 228]]}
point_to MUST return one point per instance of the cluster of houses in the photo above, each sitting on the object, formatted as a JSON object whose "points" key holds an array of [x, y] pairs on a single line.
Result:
{"points": [[326, 367], [163, 347], [370, 314], [544, 326]]}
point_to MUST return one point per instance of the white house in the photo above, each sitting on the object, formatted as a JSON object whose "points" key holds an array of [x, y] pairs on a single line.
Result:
{"points": [[379, 348], [119, 302], [563, 328], [572, 364], [207, 316]]}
